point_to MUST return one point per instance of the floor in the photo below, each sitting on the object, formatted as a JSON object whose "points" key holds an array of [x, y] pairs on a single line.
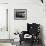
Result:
{"points": [[27, 44], [5, 44], [22, 44]]}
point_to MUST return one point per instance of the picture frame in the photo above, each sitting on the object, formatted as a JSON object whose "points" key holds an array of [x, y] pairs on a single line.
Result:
{"points": [[20, 14]]}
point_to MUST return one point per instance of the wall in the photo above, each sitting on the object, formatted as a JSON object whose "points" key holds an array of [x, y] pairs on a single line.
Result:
{"points": [[3, 1], [3, 34], [3, 21]]}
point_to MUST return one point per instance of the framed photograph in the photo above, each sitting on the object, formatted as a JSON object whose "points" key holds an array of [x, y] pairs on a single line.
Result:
{"points": [[20, 14]]}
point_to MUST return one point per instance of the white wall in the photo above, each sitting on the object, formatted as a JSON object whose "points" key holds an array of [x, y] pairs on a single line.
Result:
{"points": [[3, 34], [3, 21], [3, 1]]}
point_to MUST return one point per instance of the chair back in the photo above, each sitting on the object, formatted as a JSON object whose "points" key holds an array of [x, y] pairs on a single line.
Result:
{"points": [[33, 28]]}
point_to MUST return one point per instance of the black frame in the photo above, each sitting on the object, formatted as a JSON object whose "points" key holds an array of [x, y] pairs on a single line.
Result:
{"points": [[20, 14]]}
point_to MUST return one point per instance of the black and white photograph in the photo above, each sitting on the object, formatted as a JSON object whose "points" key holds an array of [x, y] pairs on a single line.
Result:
{"points": [[20, 14]]}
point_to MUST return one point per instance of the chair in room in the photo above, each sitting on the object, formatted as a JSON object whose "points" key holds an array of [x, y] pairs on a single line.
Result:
{"points": [[33, 30]]}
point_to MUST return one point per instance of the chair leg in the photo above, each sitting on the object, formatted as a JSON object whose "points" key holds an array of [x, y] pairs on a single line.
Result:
{"points": [[20, 42], [32, 42]]}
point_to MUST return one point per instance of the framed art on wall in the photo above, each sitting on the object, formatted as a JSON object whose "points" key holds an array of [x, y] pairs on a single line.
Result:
{"points": [[20, 14]]}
